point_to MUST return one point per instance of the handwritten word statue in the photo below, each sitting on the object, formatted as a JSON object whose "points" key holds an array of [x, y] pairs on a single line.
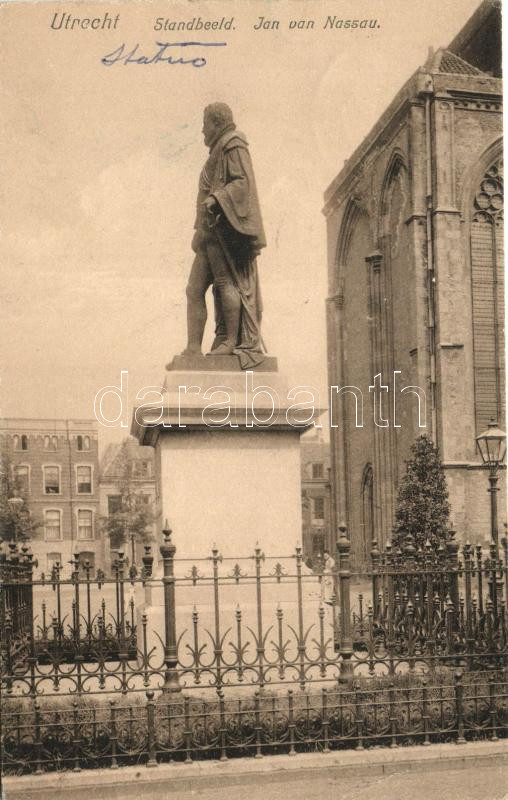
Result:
{"points": [[228, 237]]}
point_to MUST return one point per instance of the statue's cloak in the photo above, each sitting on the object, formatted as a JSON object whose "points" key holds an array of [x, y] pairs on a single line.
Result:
{"points": [[228, 176]]}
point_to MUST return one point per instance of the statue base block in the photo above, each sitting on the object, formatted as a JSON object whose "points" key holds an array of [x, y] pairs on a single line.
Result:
{"points": [[211, 363], [234, 486]]}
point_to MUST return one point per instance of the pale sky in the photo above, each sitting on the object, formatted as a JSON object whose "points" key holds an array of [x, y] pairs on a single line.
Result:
{"points": [[101, 165]]}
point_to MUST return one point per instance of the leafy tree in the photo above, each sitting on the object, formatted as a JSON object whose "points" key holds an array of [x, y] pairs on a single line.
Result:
{"points": [[15, 523], [132, 517], [423, 510]]}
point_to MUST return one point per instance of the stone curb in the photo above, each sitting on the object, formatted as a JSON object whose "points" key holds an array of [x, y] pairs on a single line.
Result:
{"points": [[269, 769]]}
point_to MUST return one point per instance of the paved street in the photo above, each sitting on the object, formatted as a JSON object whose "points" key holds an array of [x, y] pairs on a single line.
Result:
{"points": [[484, 783], [480, 778]]}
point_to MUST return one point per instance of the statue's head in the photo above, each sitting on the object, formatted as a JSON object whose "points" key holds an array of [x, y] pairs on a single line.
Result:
{"points": [[217, 116]]}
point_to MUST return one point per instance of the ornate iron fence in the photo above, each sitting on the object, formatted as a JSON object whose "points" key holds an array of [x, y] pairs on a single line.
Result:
{"points": [[220, 624], [222, 657], [61, 630], [86, 632], [38, 737], [431, 607], [16, 605]]}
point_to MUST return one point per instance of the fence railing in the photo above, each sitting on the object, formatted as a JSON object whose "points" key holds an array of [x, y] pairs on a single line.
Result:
{"points": [[221, 656], [16, 605], [37, 738], [254, 622], [434, 606]]}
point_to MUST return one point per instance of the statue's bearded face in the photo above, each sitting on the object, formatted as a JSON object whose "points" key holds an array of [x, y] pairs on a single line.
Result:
{"points": [[210, 129]]}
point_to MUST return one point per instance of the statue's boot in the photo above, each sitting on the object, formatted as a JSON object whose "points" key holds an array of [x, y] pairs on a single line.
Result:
{"points": [[196, 321], [231, 308], [220, 335], [224, 349], [220, 324], [216, 342]]}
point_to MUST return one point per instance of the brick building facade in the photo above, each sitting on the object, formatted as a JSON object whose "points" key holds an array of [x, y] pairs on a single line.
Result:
{"points": [[415, 227], [57, 470], [142, 482], [316, 497]]}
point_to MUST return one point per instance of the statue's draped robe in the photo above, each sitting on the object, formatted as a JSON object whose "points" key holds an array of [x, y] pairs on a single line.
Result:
{"points": [[229, 178]]}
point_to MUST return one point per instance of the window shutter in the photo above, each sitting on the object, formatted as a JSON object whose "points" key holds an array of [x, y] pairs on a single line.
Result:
{"points": [[488, 298]]}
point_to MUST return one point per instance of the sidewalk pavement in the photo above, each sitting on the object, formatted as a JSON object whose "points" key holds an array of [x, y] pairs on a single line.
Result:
{"points": [[473, 771]]}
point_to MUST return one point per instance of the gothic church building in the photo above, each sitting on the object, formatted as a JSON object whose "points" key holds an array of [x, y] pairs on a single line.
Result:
{"points": [[416, 289]]}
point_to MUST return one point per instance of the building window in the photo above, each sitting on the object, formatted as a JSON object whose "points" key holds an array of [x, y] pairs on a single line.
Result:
{"points": [[79, 443], [84, 479], [51, 480], [317, 471], [114, 503], [52, 525], [318, 508], [51, 443], [22, 478], [53, 559], [86, 443], [143, 502], [85, 526], [24, 442], [141, 469], [487, 274]]}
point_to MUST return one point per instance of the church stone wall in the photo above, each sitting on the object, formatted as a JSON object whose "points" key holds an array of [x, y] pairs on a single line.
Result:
{"points": [[381, 316]]}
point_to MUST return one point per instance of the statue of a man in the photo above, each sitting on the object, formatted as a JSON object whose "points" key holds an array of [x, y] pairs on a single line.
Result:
{"points": [[229, 235]]}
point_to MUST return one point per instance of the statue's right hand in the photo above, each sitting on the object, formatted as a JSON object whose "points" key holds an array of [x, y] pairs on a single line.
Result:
{"points": [[196, 241], [210, 203]]}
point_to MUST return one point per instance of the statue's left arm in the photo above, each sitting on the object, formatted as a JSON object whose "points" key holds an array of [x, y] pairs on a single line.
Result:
{"points": [[237, 196]]}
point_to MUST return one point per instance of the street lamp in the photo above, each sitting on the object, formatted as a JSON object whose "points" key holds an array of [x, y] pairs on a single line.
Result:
{"points": [[133, 569], [492, 447], [15, 504]]}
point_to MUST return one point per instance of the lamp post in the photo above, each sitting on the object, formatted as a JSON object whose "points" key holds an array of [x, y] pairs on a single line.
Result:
{"points": [[15, 504], [133, 571], [492, 447]]}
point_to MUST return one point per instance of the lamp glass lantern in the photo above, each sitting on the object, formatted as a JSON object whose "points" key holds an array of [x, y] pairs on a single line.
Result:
{"points": [[492, 445]]}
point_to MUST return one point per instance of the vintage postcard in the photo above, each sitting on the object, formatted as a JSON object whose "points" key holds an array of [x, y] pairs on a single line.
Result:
{"points": [[253, 307]]}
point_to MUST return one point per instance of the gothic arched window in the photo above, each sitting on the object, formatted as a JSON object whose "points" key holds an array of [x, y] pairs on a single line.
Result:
{"points": [[487, 282]]}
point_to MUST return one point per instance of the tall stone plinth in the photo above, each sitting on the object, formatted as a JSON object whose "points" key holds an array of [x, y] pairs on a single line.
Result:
{"points": [[227, 446], [228, 457]]}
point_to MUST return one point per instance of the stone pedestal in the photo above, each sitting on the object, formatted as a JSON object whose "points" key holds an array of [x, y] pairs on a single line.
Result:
{"points": [[228, 457], [227, 448]]}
